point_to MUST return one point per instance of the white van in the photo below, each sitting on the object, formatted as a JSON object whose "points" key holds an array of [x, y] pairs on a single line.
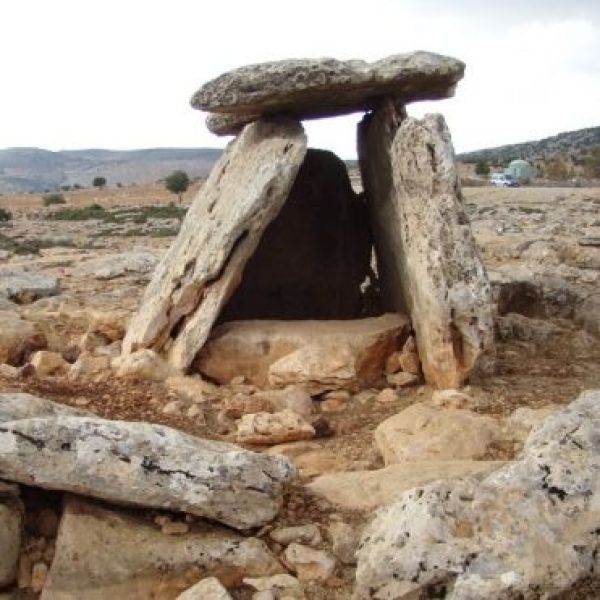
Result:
{"points": [[503, 180]]}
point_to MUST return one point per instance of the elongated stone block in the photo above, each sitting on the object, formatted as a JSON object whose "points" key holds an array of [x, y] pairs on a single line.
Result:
{"points": [[244, 193], [142, 464], [428, 256]]}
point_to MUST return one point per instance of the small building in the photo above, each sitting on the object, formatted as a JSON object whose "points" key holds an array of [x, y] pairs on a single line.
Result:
{"points": [[520, 170]]}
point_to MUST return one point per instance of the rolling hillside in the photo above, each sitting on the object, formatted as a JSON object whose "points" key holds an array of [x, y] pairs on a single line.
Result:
{"points": [[573, 143], [37, 170]]}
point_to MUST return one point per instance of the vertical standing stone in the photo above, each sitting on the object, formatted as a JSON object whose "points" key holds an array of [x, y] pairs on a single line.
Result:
{"points": [[244, 193], [428, 256]]}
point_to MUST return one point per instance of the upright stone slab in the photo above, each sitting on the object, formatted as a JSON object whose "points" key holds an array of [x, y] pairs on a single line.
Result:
{"points": [[429, 258], [245, 191], [315, 254]]}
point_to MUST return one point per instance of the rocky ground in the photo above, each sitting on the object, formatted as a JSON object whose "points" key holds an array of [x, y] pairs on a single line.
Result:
{"points": [[65, 303]]}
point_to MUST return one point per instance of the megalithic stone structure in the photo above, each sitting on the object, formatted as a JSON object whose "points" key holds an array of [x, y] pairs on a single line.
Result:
{"points": [[429, 258], [427, 261]]}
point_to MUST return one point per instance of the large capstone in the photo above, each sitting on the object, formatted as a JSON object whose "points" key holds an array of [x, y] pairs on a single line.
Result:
{"points": [[147, 465], [244, 193], [314, 88], [312, 259], [428, 256]]}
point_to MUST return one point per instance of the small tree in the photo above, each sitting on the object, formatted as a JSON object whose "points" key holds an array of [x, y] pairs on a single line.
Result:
{"points": [[177, 183], [482, 168], [5, 215], [99, 182]]}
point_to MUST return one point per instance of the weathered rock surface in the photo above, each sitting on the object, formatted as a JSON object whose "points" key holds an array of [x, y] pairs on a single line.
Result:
{"points": [[309, 564], [145, 465], [46, 362], [423, 432], [429, 259], [138, 262], [102, 553], [18, 338], [244, 193], [313, 257], [588, 314], [24, 287], [11, 525], [383, 486], [269, 429], [144, 363], [207, 589], [528, 530], [17, 405], [313, 88], [318, 355]]}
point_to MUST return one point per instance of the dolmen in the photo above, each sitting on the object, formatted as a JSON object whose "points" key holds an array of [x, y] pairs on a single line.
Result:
{"points": [[278, 234]]}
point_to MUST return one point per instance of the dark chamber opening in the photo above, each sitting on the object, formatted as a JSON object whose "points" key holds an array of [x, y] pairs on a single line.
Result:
{"points": [[314, 261]]}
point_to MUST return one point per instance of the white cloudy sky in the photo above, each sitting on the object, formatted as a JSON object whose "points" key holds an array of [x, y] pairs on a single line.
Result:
{"points": [[119, 73]]}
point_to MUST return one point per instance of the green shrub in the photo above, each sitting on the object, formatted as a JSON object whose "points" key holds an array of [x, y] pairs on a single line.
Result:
{"points": [[87, 213], [5, 215], [99, 182], [50, 199], [177, 183], [482, 168]]}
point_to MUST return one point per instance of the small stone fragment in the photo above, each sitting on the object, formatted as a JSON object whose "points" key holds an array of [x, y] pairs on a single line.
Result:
{"points": [[344, 540], [269, 429], [305, 534], [38, 577], [402, 379], [46, 362], [207, 589], [309, 564]]}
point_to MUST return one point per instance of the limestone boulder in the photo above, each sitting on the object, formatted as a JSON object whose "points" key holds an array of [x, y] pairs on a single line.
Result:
{"points": [[423, 432], [382, 487], [144, 364], [135, 262], [308, 563], [429, 261], [243, 194], [108, 553], [313, 88], [145, 465], [528, 530], [46, 363], [18, 405], [23, 287], [18, 338], [317, 355], [207, 589], [268, 429], [314, 256]]}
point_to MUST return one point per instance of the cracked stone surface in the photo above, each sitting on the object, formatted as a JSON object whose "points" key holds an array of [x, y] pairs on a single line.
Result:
{"points": [[17, 405], [323, 87], [145, 465], [24, 287], [109, 553], [477, 541], [243, 194], [429, 260]]}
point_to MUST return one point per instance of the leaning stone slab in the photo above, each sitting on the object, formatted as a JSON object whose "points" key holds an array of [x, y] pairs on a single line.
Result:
{"points": [[24, 287], [15, 406], [528, 530], [144, 465], [430, 262], [108, 553], [313, 88], [244, 193]]}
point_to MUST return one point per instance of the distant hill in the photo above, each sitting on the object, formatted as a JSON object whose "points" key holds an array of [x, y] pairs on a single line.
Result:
{"points": [[37, 170], [573, 143]]}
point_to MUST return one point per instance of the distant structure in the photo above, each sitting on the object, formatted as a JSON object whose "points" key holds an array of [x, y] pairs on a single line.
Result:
{"points": [[521, 170], [277, 233]]}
